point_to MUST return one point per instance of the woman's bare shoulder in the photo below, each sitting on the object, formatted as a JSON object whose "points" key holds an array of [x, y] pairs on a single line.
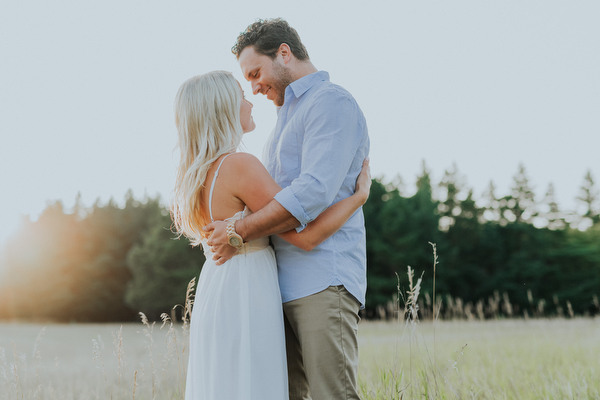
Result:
{"points": [[244, 163], [249, 180], [241, 157]]}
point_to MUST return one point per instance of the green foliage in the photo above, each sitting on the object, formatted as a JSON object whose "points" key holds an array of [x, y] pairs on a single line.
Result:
{"points": [[398, 232], [161, 267], [590, 199], [108, 262], [512, 245], [73, 267]]}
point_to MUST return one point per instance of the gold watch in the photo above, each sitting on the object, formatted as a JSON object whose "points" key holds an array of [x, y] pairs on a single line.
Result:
{"points": [[233, 238]]}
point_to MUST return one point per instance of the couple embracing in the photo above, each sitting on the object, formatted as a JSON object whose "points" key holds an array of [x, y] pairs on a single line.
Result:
{"points": [[290, 233]]}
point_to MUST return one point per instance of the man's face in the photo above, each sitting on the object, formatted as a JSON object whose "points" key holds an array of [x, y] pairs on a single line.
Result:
{"points": [[267, 76]]}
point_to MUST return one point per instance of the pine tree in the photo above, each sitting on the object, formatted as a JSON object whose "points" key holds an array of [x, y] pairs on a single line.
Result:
{"points": [[519, 206], [161, 266], [551, 216], [491, 204], [589, 199], [449, 207]]}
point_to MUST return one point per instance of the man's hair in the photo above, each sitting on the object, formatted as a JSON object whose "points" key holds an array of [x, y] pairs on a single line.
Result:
{"points": [[267, 35]]}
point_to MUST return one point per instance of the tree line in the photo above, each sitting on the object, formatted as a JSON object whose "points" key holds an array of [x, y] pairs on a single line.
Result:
{"points": [[509, 255]]}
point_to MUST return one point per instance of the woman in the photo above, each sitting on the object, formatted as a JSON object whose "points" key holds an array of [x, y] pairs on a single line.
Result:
{"points": [[237, 348]]}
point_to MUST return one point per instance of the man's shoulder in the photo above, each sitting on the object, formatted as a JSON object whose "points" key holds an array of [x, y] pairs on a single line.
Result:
{"points": [[329, 95], [328, 88]]}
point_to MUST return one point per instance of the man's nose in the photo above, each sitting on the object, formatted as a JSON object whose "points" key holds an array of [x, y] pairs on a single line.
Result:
{"points": [[255, 88]]}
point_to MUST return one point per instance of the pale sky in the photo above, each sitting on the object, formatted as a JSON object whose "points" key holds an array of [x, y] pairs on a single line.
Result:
{"points": [[87, 89]]}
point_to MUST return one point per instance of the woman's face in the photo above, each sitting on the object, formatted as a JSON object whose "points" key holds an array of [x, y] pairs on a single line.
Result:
{"points": [[246, 114]]}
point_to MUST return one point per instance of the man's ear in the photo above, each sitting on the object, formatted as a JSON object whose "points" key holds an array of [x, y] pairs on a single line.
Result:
{"points": [[285, 52]]}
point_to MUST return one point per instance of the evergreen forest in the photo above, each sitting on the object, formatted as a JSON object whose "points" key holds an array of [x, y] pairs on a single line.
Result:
{"points": [[507, 255]]}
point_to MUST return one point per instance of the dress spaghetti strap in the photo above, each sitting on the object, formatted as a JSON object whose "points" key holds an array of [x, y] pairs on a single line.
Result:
{"points": [[212, 187]]}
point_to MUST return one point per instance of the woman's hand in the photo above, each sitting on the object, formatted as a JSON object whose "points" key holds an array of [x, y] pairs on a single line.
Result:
{"points": [[363, 182], [219, 245]]}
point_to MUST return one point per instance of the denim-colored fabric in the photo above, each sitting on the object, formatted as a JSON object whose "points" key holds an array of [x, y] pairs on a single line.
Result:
{"points": [[315, 154]]}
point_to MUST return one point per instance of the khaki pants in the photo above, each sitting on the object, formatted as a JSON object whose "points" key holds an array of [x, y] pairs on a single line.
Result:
{"points": [[322, 345]]}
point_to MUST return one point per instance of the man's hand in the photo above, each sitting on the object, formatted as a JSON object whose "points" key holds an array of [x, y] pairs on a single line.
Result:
{"points": [[218, 243]]}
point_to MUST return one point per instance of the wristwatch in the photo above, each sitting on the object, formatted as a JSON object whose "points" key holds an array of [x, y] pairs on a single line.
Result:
{"points": [[233, 238]]}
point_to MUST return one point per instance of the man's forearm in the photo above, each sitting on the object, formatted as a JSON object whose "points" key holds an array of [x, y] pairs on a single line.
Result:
{"points": [[269, 220]]}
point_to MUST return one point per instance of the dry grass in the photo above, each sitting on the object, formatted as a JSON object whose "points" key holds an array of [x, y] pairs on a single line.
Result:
{"points": [[90, 361], [503, 359], [478, 359], [400, 359], [75, 361], [499, 359]]}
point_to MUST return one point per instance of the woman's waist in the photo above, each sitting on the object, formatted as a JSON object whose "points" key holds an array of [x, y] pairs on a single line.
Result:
{"points": [[248, 247], [254, 245]]}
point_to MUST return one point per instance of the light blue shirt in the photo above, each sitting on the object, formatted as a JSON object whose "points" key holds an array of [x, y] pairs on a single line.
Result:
{"points": [[315, 154]]}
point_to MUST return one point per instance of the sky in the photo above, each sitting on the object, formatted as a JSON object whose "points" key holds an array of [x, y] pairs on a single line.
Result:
{"points": [[87, 90]]}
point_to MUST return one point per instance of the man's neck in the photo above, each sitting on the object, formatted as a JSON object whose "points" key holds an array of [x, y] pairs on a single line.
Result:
{"points": [[302, 69]]}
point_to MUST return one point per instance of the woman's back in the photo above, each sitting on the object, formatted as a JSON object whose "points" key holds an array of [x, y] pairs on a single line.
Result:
{"points": [[218, 199]]}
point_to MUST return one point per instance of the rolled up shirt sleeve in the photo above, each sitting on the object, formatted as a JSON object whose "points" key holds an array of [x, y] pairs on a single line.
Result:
{"points": [[334, 129], [289, 201]]}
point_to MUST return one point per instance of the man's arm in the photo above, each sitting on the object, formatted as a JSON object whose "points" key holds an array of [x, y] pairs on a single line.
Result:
{"points": [[318, 230], [329, 152], [332, 135], [269, 220]]}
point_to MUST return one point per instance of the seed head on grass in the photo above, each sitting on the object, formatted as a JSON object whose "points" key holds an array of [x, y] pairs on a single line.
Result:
{"points": [[120, 353], [37, 356], [570, 309], [15, 370], [411, 307], [134, 383], [189, 301], [148, 333]]}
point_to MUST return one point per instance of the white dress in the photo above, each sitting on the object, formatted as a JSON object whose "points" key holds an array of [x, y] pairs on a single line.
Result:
{"points": [[237, 345]]}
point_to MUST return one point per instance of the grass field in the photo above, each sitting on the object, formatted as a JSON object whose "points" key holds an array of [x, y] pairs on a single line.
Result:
{"points": [[499, 359]]}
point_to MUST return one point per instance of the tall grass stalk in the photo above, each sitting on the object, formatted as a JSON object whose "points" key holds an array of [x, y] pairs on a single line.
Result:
{"points": [[435, 315], [97, 347], [411, 309], [18, 389], [120, 353], [134, 383], [421, 377], [37, 357], [171, 338], [150, 346]]}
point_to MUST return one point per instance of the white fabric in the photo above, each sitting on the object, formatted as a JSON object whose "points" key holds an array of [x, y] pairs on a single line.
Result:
{"points": [[237, 345]]}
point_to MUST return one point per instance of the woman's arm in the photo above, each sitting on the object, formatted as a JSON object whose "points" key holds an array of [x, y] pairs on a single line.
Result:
{"points": [[334, 217], [245, 178]]}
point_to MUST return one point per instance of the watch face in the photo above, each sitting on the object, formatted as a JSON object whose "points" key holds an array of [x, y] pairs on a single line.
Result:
{"points": [[235, 242]]}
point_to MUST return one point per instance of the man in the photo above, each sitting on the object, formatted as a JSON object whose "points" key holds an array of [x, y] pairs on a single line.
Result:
{"points": [[315, 154]]}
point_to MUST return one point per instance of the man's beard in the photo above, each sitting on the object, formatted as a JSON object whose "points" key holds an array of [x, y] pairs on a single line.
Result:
{"points": [[281, 81]]}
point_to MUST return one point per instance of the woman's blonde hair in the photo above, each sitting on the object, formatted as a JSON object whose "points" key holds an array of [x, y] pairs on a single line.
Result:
{"points": [[207, 115]]}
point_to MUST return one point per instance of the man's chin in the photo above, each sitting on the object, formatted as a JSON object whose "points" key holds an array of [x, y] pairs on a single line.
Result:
{"points": [[278, 101]]}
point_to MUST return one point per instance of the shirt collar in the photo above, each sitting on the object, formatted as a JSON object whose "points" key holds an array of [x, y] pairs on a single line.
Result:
{"points": [[301, 86]]}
